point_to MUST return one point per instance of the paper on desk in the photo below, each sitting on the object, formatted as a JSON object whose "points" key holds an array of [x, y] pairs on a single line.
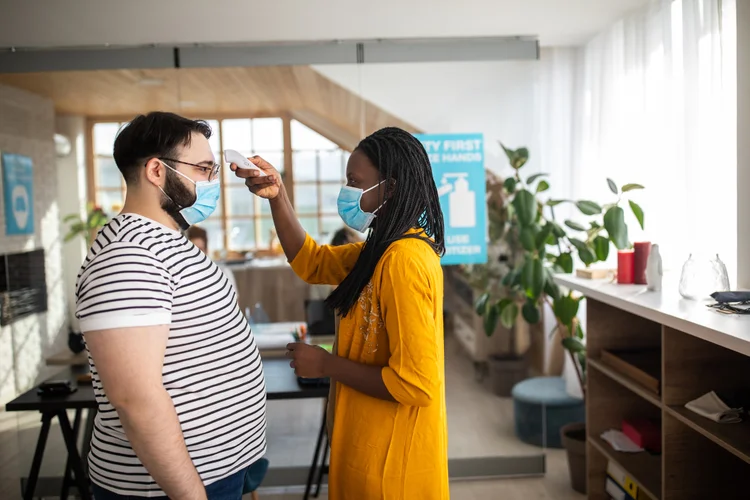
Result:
{"points": [[712, 407], [265, 342], [275, 329], [620, 442]]}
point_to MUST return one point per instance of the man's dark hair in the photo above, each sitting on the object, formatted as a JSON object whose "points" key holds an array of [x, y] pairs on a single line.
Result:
{"points": [[155, 135], [343, 236], [414, 204], [197, 233]]}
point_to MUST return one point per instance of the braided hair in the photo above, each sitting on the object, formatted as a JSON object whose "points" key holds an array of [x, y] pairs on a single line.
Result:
{"points": [[413, 204]]}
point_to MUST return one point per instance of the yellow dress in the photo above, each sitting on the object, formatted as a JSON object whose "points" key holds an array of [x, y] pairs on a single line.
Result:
{"points": [[381, 449]]}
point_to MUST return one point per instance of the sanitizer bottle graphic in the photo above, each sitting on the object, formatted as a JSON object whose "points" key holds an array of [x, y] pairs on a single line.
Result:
{"points": [[462, 211]]}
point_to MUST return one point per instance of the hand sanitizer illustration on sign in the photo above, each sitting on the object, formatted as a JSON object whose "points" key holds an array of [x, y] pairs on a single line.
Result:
{"points": [[462, 201]]}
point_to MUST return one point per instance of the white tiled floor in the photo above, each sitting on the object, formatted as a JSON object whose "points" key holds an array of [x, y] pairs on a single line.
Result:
{"points": [[480, 424]]}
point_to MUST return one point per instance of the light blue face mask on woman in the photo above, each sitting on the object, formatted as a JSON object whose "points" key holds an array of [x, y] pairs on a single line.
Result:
{"points": [[350, 209], [206, 198]]}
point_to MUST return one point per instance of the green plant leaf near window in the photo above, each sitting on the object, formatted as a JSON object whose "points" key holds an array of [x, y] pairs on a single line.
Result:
{"points": [[601, 248], [588, 207], [614, 223], [542, 186], [530, 312], [510, 184], [631, 187], [574, 225], [612, 186], [637, 211], [509, 315], [565, 261], [573, 344], [525, 204], [95, 220]]}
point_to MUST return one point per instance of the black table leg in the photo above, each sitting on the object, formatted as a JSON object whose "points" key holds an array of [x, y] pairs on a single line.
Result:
{"points": [[36, 463], [87, 433], [73, 457], [68, 469], [323, 469], [314, 464]]}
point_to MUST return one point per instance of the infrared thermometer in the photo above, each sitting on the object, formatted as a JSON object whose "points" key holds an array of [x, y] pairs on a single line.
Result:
{"points": [[232, 156]]}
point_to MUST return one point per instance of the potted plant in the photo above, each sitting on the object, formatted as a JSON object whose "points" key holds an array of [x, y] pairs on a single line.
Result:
{"points": [[547, 248], [509, 364], [95, 220]]}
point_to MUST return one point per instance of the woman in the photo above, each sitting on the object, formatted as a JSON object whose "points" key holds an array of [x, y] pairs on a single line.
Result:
{"points": [[389, 437]]}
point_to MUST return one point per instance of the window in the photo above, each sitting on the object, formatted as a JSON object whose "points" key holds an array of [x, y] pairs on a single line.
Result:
{"points": [[319, 171], [242, 222]]}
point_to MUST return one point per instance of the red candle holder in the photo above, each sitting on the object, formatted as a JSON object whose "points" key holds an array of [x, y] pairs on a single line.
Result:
{"points": [[641, 251], [626, 267]]}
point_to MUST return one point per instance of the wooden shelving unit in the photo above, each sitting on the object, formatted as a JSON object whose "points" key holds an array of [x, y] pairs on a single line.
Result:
{"points": [[700, 459]]}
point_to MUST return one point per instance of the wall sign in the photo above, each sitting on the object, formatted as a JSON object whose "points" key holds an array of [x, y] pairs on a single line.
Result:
{"points": [[18, 192], [458, 168]]}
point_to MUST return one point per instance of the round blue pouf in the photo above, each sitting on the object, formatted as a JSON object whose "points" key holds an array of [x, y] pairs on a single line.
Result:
{"points": [[541, 407]]}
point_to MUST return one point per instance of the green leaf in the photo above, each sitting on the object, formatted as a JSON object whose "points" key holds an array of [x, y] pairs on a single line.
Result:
{"points": [[577, 243], [631, 187], [574, 225], [534, 177], [573, 344], [525, 205], [533, 278], [637, 211], [542, 236], [509, 153], [557, 230], [581, 356], [612, 185], [509, 315], [480, 306], [510, 184], [588, 207], [490, 319], [601, 248], [550, 287], [554, 203], [565, 261], [521, 157], [542, 186], [579, 330], [565, 309], [528, 239], [511, 278], [586, 256], [530, 312], [614, 223]]}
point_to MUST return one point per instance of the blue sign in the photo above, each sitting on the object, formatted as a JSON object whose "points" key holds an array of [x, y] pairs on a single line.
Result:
{"points": [[18, 191], [458, 168]]}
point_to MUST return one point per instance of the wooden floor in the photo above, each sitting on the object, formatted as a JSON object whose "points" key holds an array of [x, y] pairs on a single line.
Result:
{"points": [[480, 424]]}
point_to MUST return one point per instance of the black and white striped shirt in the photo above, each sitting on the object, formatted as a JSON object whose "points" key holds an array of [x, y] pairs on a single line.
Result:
{"points": [[140, 273]]}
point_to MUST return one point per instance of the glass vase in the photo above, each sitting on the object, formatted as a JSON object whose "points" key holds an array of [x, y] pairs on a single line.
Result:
{"points": [[702, 276]]}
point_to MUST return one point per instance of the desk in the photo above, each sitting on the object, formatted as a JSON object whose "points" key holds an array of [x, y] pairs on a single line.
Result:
{"points": [[281, 383]]}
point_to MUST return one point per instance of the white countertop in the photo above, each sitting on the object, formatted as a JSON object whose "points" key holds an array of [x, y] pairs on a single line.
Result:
{"points": [[669, 308]]}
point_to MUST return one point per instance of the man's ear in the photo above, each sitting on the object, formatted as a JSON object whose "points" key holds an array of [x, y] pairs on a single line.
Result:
{"points": [[155, 172]]}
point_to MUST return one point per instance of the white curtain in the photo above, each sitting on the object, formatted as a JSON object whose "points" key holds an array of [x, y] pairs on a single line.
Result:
{"points": [[651, 101]]}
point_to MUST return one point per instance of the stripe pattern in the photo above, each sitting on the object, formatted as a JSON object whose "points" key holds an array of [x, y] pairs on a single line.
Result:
{"points": [[140, 273]]}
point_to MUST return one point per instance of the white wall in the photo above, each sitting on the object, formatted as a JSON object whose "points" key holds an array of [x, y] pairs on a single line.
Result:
{"points": [[26, 127], [494, 98], [71, 198], [742, 11]]}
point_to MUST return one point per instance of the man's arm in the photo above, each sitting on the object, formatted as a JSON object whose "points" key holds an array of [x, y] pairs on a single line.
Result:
{"points": [[129, 362]]}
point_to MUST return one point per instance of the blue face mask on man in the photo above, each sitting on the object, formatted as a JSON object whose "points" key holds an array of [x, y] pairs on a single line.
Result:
{"points": [[206, 198], [351, 211]]}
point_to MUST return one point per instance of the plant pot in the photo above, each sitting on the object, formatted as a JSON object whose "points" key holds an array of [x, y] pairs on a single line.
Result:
{"points": [[505, 372], [573, 438]]}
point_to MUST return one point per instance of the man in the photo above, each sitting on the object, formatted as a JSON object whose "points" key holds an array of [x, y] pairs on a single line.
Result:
{"points": [[199, 237], [175, 369]]}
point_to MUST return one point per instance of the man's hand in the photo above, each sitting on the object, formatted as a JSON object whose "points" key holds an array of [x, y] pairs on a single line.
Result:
{"points": [[308, 361], [266, 186]]}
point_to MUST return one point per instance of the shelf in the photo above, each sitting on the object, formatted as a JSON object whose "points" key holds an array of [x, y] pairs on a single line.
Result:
{"points": [[643, 467], [625, 381], [735, 438]]}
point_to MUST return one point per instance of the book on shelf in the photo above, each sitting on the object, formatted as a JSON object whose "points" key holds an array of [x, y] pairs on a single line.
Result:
{"points": [[615, 491], [641, 365], [625, 482]]}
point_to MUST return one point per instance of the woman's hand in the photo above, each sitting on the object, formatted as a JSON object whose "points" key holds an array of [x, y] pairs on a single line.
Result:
{"points": [[308, 361], [267, 186]]}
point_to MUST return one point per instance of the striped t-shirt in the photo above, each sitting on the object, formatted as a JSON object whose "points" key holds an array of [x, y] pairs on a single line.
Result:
{"points": [[140, 273]]}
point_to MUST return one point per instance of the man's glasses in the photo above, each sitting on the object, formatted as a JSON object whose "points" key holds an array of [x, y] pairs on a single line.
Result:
{"points": [[211, 171]]}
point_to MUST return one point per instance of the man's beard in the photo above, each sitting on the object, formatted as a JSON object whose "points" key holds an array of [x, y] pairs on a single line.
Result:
{"points": [[178, 196]]}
